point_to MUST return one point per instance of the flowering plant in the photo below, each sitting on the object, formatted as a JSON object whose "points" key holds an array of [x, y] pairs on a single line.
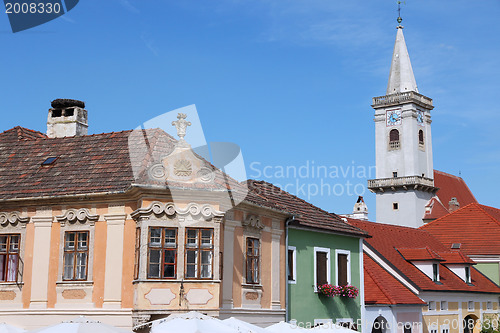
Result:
{"points": [[332, 291]]}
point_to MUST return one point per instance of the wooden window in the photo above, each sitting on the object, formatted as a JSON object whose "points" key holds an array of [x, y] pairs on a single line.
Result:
{"points": [[137, 252], [199, 253], [342, 269], [421, 137], [162, 253], [9, 257], [394, 139], [253, 260], [292, 270], [76, 255], [321, 268]]}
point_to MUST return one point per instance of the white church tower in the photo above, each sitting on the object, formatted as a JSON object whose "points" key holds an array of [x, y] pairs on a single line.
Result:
{"points": [[403, 145]]}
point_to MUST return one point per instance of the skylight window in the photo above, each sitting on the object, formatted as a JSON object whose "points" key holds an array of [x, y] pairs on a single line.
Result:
{"points": [[49, 161]]}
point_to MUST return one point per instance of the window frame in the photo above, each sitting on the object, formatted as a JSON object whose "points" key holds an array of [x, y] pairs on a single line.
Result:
{"points": [[432, 305], [337, 271], [435, 272], [252, 258], [75, 252], [394, 137], [294, 265], [199, 250], [443, 306], [469, 308], [162, 249], [328, 266], [4, 278]]}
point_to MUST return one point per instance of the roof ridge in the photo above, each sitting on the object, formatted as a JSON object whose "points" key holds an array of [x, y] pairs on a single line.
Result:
{"points": [[481, 207]]}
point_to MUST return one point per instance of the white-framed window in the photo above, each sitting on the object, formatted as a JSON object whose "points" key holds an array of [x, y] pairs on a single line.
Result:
{"points": [[342, 267], [292, 265], [432, 306], [444, 305], [489, 305], [445, 328], [321, 266], [435, 272], [470, 305]]}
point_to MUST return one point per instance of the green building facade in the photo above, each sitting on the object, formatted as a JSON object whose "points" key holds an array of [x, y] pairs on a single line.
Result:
{"points": [[308, 248]]}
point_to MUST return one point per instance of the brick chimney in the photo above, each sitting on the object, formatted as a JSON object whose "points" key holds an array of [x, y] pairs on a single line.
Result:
{"points": [[453, 205], [67, 117]]}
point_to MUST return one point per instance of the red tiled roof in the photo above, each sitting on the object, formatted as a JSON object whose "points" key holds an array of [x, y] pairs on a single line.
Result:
{"points": [[475, 226], [451, 186], [413, 254], [20, 133], [306, 214], [434, 209], [386, 239], [382, 288], [100, 163], [456, 257]]}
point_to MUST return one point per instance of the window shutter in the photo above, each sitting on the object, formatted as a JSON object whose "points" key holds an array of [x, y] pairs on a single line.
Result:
{"points": [[321, 267], [342, 266]]}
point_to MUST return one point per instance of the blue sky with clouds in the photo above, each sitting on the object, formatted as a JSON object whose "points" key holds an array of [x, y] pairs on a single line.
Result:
{"points": [[290, 81]]}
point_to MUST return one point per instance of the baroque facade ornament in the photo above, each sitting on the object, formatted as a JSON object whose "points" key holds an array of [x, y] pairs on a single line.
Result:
{"points": [[183, 168], [12, 218], [81, 215], [253, 221], [170, 209], [181, 124]]}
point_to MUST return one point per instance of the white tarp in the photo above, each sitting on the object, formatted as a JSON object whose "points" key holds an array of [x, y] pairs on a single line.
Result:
{"points": [[192, 322], [243, 326], [6, 328], [283, 327]]}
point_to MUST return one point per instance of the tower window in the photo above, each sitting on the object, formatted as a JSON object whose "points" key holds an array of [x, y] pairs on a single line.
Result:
{"points": [[395, 205], [394, 139], [56, 113], [395, 174], [421, 138]]}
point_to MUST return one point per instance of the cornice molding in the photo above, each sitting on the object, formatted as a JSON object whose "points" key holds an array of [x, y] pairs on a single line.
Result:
{"points": [[73, 215], [13, 218], [159, 209]]}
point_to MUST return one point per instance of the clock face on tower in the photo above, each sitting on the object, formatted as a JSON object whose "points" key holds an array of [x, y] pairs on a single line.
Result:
{"points": [[420, 118], [393, 117]]}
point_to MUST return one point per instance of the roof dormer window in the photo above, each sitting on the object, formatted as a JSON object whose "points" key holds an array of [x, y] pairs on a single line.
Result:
{"points": [[435, 272]]}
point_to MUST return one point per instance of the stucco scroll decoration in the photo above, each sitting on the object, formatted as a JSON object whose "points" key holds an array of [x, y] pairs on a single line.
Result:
{"points": [[253, 221], [81, 215], [159, 209], [12, 218]]}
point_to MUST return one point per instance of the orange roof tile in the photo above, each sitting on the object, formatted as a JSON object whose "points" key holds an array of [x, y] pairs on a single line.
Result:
{"points": [[475, 226], [382, 288], [386, 239], [416, 254], [451, 186]]}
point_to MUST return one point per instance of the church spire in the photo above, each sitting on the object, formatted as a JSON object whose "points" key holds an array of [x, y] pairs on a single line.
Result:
{"points": [[401, 78]]}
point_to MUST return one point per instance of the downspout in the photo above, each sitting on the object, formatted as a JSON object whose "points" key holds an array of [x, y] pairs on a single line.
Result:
{"points": [[287, 285]]}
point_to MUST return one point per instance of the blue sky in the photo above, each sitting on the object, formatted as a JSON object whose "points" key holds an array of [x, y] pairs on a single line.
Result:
{"points": [[289, 81]]}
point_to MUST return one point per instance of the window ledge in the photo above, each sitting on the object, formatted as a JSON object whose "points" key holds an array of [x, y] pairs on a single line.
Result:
{"points": [[8, 284], [251, 286], [75, 283], [174, 281]]}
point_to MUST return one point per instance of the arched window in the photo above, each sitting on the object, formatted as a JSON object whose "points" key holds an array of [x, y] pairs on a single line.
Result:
{"points": [[394, 139], [421, 137], [380, 325]]}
